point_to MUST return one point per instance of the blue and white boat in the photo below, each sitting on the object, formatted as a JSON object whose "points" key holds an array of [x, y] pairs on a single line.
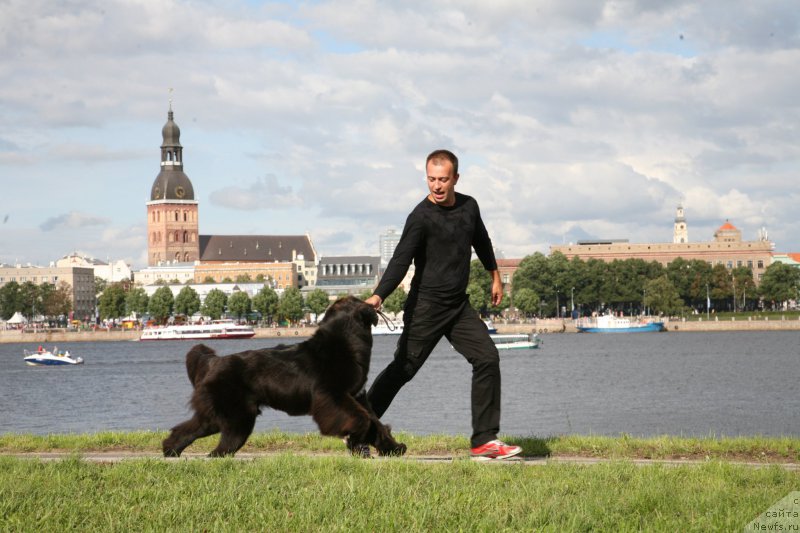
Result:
{"points": [[43, 357], [618, 324]]}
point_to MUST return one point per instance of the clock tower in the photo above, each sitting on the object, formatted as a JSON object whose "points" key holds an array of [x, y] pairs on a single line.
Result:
{"points": [[680, 233], [172, 225]]}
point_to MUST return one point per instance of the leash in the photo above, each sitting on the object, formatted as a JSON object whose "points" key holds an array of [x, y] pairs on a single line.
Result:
{"points": [[386, 320]]}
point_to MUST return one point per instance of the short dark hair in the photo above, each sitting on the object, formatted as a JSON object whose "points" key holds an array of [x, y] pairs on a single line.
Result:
{"points": [[437, 156]]}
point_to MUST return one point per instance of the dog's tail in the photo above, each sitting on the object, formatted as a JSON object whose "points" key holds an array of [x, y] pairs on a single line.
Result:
{"points": [[197, 362]]}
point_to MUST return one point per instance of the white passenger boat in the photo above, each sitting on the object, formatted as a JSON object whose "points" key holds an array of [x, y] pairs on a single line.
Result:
{"points": [[216, 329], [516, 341], [396, 328], [618, 324], [43, 357], [384, 329]]}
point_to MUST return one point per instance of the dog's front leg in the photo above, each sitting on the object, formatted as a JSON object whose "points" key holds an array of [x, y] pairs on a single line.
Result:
{"points": [[381, 435], [341, 416]]}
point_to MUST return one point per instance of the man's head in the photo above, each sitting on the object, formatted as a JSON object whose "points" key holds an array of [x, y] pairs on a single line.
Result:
{"points": [[441, 168]]}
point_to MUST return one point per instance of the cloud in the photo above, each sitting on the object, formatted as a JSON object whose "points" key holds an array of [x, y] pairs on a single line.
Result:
{"points": [[263, 193], [568, 117], [72, 220]]}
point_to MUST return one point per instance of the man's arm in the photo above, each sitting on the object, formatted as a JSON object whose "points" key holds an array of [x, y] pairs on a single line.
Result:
{"points": [[483, 244], [401, 260]]}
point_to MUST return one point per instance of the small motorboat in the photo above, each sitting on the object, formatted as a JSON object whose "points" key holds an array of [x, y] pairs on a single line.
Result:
{"points": [[42, 357], [516, 341]]}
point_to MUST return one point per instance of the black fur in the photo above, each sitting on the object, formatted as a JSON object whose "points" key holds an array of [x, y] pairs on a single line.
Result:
{"points": [[323, 376]]}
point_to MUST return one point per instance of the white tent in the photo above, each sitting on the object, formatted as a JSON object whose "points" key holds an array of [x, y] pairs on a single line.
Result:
{"points": [[17, 319]]}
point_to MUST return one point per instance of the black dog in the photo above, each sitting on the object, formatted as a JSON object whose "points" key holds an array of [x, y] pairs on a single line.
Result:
{"points": [[323, 376]]}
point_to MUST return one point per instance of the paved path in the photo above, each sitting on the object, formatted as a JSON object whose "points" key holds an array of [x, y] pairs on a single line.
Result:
{"points": [[115, 457]]}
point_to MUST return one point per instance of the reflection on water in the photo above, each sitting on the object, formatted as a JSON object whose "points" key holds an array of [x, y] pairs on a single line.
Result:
{"points": [[643, 384]]}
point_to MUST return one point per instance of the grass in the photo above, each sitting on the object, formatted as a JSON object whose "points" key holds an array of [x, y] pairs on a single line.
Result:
{"points": [[317, 487], [288, 492], [757, 449]]}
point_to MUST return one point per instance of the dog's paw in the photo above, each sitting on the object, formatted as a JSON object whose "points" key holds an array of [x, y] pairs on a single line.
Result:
{"points": [[397, 450], [169, 452]]}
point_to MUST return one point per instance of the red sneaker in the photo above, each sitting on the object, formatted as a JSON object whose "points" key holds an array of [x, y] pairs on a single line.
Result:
{"points": [[494, 449]]}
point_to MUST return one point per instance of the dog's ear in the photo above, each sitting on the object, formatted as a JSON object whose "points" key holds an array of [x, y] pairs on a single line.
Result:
{"points": [[369, 315]]}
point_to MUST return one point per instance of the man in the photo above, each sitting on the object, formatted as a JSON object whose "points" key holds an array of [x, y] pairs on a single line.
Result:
{"points": [[438, 236]]}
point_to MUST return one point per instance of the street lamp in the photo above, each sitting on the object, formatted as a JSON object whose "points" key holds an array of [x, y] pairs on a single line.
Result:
{"points": [[558, 308], [708, 304], [644, 302], [572, 297]]}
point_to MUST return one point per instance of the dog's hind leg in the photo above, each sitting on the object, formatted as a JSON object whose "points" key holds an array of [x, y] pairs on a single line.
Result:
{"points": [[186, 433], [234, 435]]}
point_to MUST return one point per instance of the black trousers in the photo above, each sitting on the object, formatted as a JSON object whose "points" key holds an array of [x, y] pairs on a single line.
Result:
{"points": [[425, 323]]}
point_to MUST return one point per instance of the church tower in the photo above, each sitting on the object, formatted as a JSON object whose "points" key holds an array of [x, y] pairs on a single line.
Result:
{"points": [[680, 234], [172, 226]]}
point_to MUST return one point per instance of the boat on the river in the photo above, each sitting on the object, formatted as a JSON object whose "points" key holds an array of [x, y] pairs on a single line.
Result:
{"points": [[618, 324], [216, 329], [42, 357], [396, 328], [516, 341]]}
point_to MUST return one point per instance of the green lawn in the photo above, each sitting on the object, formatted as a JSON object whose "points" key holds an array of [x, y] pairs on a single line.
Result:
{"points": [[295, 492]]}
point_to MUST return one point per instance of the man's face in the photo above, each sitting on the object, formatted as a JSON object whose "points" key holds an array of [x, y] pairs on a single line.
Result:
{"points": [[441, 182]]}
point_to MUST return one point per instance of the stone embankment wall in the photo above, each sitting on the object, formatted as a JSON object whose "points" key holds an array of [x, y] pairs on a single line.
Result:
{"points": [[751, 324], [540, 326]]}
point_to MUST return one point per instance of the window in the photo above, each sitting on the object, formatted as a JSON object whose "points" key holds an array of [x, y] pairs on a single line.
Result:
{"points": [[760, 265], [750, 263], [738, 263], [729, 264]]}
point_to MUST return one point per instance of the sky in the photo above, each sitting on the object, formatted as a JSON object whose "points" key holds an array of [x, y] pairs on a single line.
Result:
{"points": [[572, 119]]}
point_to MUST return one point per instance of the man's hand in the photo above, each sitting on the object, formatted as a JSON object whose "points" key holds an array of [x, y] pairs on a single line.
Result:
{"points": [[375, 301], [497, 288]]}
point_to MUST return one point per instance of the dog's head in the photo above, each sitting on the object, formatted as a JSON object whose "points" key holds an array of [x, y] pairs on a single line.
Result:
{"points": [[352, 307]]}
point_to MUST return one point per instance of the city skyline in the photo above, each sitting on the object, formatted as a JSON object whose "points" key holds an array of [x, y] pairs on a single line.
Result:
{"points": [[571, 121]]}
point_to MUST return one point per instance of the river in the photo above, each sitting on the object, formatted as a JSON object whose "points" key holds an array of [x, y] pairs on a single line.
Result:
{"points": [[647, 384]]}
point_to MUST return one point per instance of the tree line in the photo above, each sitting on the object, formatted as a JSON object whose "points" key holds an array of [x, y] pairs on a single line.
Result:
{"points": [[289, 307], [544, 286], [53, 302], [548, 286]]}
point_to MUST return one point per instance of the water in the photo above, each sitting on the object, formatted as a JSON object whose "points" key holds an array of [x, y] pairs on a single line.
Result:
{"points": [[691, 384]]}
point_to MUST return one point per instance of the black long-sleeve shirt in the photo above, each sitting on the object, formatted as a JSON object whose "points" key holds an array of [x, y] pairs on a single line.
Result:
{"points": [[439, 240]]}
